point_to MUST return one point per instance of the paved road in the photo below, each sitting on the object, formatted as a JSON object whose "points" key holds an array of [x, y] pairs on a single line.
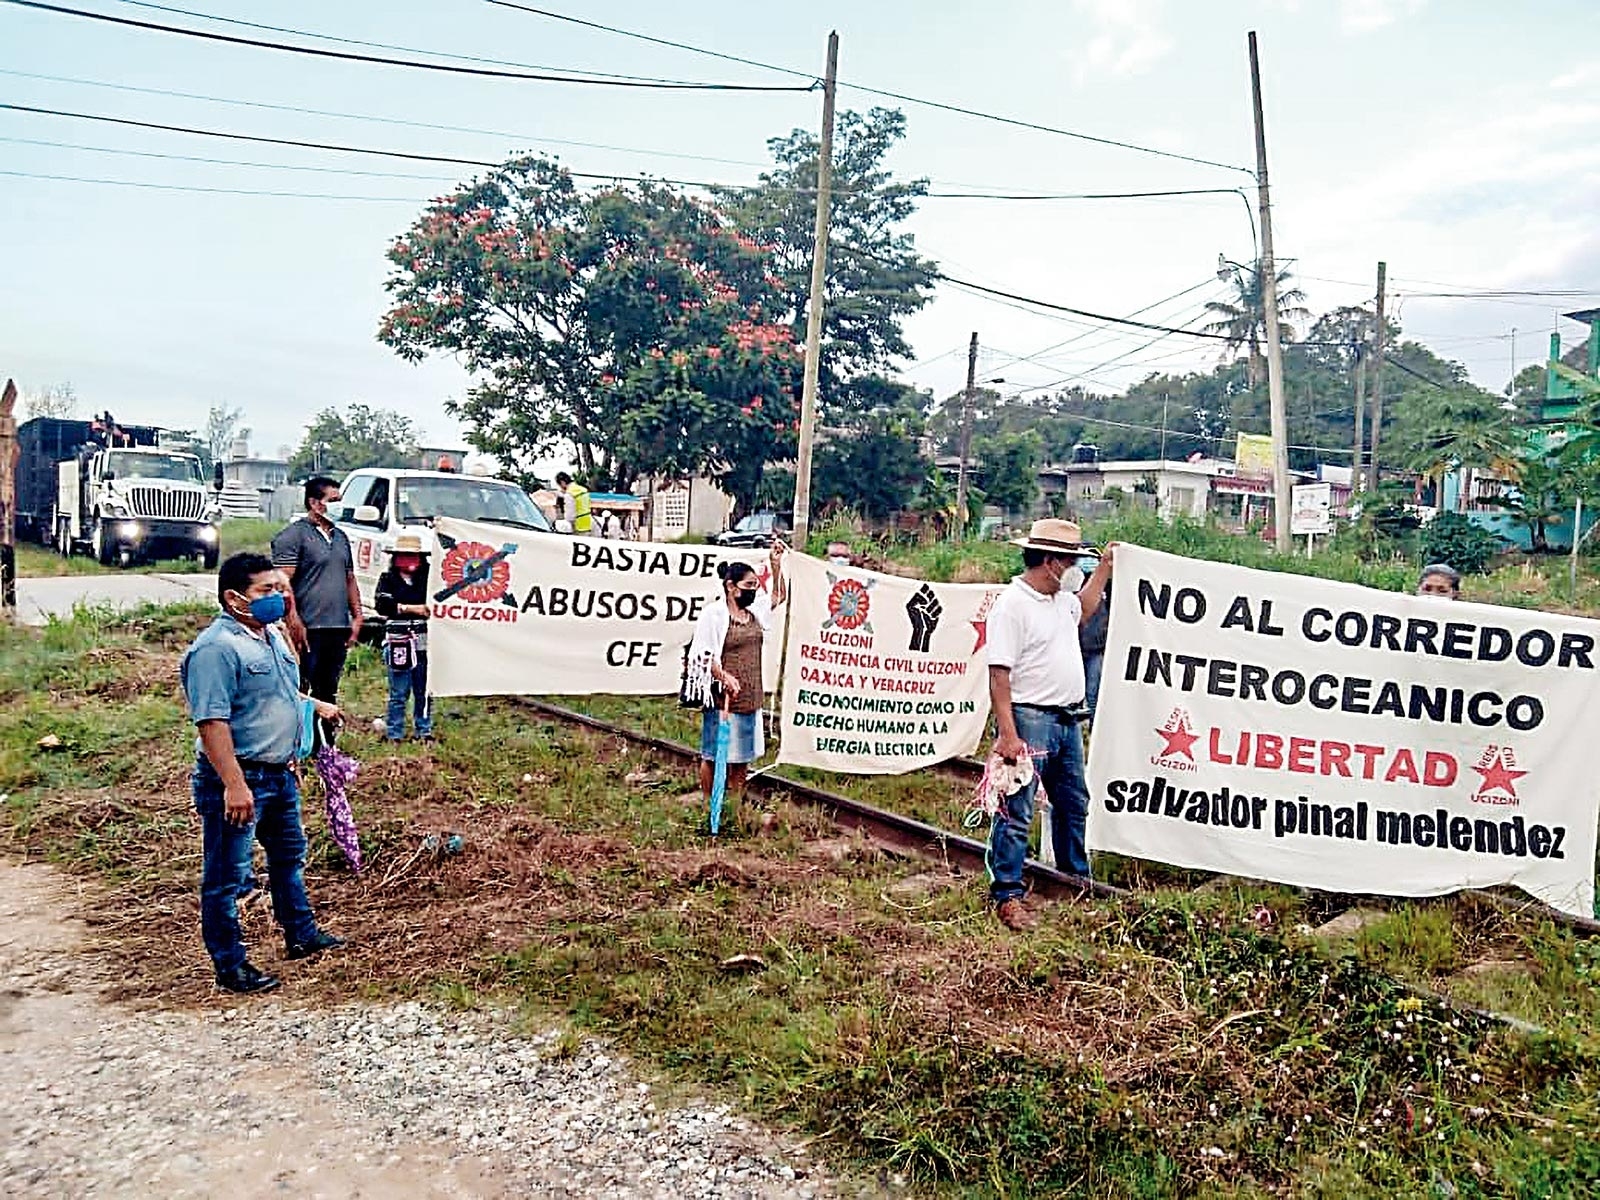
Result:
{"points": [[40, 599]]}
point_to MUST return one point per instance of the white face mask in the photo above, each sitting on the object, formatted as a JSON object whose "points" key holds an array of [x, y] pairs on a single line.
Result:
{"points": [[839, 560]]}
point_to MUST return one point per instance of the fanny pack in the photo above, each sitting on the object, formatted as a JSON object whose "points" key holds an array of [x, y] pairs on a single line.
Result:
{"points": [[400, 651]]}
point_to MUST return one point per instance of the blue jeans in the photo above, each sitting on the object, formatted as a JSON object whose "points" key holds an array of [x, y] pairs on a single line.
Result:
{"points": [[1093, 664], [226, 867], [1057, 749], [409, 683]]}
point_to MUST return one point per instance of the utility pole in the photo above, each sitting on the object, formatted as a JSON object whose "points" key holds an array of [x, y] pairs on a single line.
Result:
{"points": [[1377, 382], [1359, 458], [819, 274], [1164, 398], [1269, 299], [968, 397], [10, 452]]}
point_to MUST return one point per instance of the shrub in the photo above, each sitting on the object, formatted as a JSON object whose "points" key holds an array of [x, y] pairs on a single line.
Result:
{"points": [[1453, 539]]}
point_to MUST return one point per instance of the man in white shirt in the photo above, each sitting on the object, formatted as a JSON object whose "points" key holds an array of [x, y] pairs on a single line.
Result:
{"points": [[1036, 686]]}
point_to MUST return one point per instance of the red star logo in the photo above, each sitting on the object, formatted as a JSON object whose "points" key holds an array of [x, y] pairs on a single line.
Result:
{"points": [[1179, 741], [1497, 777], [764, 577], [981, 628]]}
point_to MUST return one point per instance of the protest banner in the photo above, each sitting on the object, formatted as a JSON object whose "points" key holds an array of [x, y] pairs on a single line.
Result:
{"points": [[882, 674], [1333, 736], [523, 613]]}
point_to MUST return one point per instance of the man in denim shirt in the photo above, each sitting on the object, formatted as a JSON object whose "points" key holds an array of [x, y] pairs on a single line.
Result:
{"points": [[242, 686], [1036, 686]]}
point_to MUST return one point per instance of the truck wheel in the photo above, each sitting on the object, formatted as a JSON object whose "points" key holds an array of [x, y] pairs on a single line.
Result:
{"points": [[100, 544], [209, 559]]}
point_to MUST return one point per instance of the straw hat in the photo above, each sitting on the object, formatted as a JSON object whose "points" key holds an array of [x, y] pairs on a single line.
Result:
{"points": [[408, 543], [1054, 534]]}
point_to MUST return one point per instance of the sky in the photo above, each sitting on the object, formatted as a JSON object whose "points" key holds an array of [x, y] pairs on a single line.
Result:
{"points": [[1459, 141]]}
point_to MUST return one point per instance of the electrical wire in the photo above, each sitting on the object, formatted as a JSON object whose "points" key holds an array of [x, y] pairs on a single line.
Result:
{"points": [[174, 187], [223, 162], [348, 116], [872, 91], [344, 41], [343, 148], [380, 60]]}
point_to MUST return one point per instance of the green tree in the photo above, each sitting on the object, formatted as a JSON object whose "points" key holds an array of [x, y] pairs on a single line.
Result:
{"points": [[1457, 428], [336, 443], [872, 467], [875, 278], [1010, 471], [632, 325], [1242, 318], [1543, 496]]}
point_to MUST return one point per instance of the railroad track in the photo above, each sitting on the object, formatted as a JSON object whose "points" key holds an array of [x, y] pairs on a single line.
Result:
{"points": [[892, 831], [906, 835]]}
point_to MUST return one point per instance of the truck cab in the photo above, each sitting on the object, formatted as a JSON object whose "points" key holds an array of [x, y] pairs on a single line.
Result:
{"points": [[379, 502], [129, 503]]}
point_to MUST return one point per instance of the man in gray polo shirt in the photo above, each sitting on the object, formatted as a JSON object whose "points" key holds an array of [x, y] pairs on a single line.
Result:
{"points": [[326, 621]]}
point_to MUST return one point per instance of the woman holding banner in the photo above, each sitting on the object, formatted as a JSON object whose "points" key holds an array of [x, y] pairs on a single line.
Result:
{"points": [[724, 666]]}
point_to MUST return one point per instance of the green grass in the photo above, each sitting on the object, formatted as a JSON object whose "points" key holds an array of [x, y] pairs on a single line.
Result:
{"points": [[37, 562], [1198, 1043]]}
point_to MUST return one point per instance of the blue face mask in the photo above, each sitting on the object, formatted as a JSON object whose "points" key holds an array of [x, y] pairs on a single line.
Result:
{"points": [[269, 609]]}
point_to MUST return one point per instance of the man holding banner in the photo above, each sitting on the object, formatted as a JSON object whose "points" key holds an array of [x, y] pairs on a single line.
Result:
{"points": [[1036, 685]]}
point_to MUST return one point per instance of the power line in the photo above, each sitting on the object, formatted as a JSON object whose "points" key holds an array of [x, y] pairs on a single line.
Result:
{"points": [[222, 162], [342, 148], [379, 60], [400, 121], [344, 41], [860, 87], [174, 187]]}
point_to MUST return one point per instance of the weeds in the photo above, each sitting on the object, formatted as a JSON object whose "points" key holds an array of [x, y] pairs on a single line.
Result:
{"points": [[1195, 1045]]}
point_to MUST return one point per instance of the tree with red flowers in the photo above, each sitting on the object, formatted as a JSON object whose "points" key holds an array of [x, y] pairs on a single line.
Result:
{"points": [[628, 324]]}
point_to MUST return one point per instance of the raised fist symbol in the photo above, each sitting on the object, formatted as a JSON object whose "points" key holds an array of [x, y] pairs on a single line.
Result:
{"points": [[924, 610]]}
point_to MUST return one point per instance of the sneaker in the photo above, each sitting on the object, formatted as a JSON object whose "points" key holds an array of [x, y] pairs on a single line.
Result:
{"points": [[319, 942], [1013, 915], [245, 979]]}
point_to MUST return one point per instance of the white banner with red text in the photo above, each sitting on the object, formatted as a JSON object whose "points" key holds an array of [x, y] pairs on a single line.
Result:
{"points": [[882, 674], [521, 613], [1333, 736]]}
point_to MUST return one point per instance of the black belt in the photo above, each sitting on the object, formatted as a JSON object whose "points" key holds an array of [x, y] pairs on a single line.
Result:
{"points": [[250, 764], [1065, 714]]}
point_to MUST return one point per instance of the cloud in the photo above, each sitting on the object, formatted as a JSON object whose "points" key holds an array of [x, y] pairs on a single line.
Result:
{"points": [[1364, 16], [1126, 36]]}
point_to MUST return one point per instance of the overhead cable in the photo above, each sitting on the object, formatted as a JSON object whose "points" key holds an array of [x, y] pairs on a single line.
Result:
{"points": [[861, 87], [414, 64]]}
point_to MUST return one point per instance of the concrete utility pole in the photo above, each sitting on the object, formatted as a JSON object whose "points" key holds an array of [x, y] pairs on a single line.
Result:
{"points": [[968, 397], [10, 452], [819, 273], [1269, 298], [1377, 382]]}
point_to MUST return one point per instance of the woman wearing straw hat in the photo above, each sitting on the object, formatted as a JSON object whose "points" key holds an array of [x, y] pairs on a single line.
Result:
{"points": [[1036, 685], [402, 597]]}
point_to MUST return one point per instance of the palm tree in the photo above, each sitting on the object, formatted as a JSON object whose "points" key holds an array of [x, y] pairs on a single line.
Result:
{"points": [[1457, 429], [1242, 319]]}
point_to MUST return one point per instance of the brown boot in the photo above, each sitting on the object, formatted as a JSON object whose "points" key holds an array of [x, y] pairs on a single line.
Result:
{"points": [[1014, 916]]}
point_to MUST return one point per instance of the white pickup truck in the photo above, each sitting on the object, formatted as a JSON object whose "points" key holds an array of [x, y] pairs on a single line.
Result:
{"points": [[378, 502]]}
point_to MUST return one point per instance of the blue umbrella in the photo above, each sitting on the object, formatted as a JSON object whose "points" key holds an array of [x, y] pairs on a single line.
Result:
{"points": [[719, 769]]}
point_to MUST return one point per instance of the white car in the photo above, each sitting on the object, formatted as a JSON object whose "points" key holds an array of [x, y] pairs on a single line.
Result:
{"points": [[378, 502]]}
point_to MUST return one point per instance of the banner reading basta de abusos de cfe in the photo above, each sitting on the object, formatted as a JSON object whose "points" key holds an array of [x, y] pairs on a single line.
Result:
{"points": [[1334, 736], [521, 613]]}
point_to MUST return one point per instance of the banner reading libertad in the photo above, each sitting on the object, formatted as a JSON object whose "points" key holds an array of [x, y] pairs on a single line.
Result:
{"points": [[1333, 736], [882, 674]]}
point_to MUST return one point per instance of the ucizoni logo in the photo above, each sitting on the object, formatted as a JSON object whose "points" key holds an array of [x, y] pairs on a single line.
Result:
{"points": [[476, 576]]}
